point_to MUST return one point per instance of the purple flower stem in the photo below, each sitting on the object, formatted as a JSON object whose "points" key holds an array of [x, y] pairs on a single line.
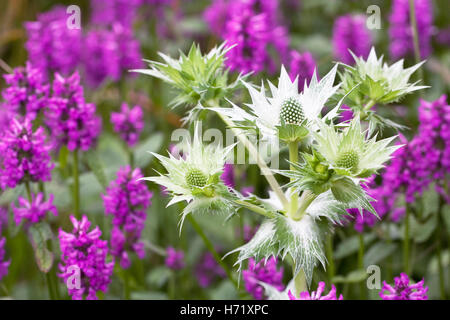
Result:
{"points": [[406, 241], [76, 186], [362, 284]]}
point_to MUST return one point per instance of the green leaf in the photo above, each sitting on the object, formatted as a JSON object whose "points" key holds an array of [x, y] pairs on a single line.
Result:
{"points": [[148, 295], [40, 233], [353, 277], [158, 276], [378, 252], [350, 245], [97, 167], [142, 153], [445, 212], [421, 232]]}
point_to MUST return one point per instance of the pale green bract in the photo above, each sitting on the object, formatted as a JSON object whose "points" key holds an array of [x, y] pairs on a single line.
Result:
{"points": [[302, 240], [195, 178], [198, 78], [265, 112]]}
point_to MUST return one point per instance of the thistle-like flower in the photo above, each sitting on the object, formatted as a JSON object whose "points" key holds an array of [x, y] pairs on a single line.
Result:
{"points": [[198, 78], [196, 178], [349, 153], [286, 107], [378, 82]]}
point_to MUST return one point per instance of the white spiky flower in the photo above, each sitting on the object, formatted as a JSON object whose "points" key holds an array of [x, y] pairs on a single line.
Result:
{"points": [[285, 105], [301, 239], [195, 178], [350, 153]]}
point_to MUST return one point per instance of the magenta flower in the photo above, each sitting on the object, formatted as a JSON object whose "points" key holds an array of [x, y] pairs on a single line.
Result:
{"points": [[107, 12], [129, 123], [35, 210], [350, 33], [25, 155], [264, 271], [71, 120], [207, 270], [26, 92], [301, 65], [400, 31], [216, 16], [174, 259], [3, 219], [228, 175], [84, 255], [51, 45], [127, 199], [317, 295], [4, 264], [402, 290]]}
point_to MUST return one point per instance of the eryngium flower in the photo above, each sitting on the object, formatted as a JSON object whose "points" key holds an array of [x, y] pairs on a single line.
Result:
{"points": [[301, 65], [4, 264], [24, 155], [51, 45], [403, 290], [174, 259], [317, 295], [377, 81], [35, 210], [127, 199], [264, 271], [400, 30], [350, 153], [26, 92], [350, 33], [84, 254], [128, 123], [196, 178], [71, 120]]}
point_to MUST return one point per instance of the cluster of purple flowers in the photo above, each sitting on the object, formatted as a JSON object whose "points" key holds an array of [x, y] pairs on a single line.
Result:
{"points": [[84, 259], [71, 120], [107, 51], [207, 270], [400, 32], [317, 295], [403, 290], [33, 211], [51, 45], [129, 123], [26, 92], [25, 155], [4, 264], [350, 33], [174, 259], [303, 66], [127, 199], [263, 271]]}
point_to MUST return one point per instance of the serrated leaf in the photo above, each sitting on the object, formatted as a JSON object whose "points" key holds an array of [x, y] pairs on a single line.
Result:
{"points": [[40, 233], [158, 276], [350, 245], [352, 195], [96, 167], [378, 252]]}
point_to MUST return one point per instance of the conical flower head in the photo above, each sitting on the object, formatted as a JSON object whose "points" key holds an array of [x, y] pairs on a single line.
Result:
{"points": [[350, 153]]}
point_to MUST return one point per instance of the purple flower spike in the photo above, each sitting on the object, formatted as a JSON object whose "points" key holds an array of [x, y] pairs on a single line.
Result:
{"points": [[26, 92], [129, 123], [350, 33], [25, 155], [228, 175], [127, 199], [35, 210], [303, 66], [84, 267], [317, 295], [402, 290], [174, 259], [207, 271], [400, 31], [72, 121], [4, 264], [264, 271]]}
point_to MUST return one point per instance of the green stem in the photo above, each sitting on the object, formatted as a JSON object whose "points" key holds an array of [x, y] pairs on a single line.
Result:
{"points": [[362, 284], [76, 185], [329, 255], [293, 158], [130, 157], [300, 282], [126, 283], [172, 286], [50, 286], [406, 242], [255, 154], [28, 188], [211, 249], [412, 18], [439, 256], [389, 260], [254, 208]]}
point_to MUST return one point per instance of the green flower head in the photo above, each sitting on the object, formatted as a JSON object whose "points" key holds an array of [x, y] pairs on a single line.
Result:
{"points": [[349, 153]]}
